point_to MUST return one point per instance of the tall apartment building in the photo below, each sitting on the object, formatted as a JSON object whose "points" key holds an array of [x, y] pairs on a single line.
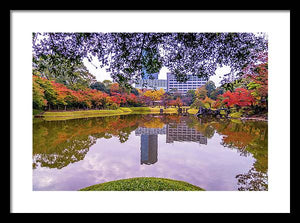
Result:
{"points": [[192, 83], [151, 81]]}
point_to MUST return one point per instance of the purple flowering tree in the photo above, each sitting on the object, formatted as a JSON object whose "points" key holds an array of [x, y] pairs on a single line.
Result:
{"points": [[124, 53]]}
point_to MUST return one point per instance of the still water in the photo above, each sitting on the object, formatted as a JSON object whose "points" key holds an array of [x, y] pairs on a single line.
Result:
{"points": [[217, 155]]}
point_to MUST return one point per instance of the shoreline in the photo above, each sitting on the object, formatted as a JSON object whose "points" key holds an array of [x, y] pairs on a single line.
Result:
{"points": [[66, 115], [77, 114], [255, 118]]}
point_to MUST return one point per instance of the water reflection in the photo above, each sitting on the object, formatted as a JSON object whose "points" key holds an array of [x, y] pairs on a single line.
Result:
{"points": [[149, 149], [174, 132], [58, 144], [149, 143], [182, 133]]}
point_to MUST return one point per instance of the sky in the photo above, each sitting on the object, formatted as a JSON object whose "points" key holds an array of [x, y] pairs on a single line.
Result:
{"points": [[101, 74]]}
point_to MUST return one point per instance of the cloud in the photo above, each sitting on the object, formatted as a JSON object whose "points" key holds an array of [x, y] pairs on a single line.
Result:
{"points": [[210, 166]]}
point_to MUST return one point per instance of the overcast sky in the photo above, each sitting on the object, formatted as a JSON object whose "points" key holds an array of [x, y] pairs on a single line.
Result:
{"points": [[102, 75]]}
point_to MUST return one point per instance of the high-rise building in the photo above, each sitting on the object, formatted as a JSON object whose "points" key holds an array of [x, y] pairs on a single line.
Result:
{"points": [[192, 83], [154, 84], [151, 81], [150, 76]]}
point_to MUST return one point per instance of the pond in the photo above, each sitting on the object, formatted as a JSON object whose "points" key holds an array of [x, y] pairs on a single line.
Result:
{"points": [[217, 155]]}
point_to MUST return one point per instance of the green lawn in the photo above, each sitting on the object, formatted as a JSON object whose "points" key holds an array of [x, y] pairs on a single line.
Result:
{"points": [[65, 115], [143, 184]]}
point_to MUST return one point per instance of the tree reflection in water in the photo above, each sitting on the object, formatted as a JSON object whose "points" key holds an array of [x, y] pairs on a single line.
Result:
{"points": [[57, 144], [248, 138], [253, 180]]}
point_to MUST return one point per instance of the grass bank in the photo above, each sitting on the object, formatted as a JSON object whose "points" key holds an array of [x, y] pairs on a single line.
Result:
{"points": [[143, 184], [65, 115]]}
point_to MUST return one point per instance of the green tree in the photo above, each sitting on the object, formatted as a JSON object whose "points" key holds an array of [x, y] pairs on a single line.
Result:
{"points": [[73, 74], [38, 96], [49, 91], [100, 86], [134, 91], [216, 92], [191, 93], [197, 103], [210, 87], [127, 55]]}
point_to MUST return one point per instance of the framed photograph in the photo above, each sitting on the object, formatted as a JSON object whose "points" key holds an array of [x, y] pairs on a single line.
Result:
{"points": [[150, 111]]}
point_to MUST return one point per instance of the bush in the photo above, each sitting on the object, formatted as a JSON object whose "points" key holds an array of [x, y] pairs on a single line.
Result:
{"points": [[235, 115], [36, 111], [113, 106], [222, 112], [251, 112]]}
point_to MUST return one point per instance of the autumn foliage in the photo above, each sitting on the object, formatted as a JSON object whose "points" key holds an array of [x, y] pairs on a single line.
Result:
{"points": [[153, 95], [178, 102], [240, 97], [50, 94]]}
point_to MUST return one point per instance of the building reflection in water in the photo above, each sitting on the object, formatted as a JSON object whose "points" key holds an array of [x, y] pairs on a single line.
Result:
{"points": [[179, 132], [182, 133], [149, 143], [148, 149]]}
